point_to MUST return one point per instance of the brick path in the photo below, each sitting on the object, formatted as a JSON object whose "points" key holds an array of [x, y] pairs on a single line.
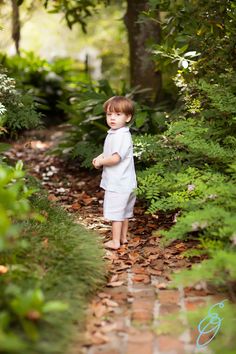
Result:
{"points": [[142, 315]]}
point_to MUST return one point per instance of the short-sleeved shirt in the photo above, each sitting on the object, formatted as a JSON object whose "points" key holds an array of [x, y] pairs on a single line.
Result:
{"points": [[120, 178]]}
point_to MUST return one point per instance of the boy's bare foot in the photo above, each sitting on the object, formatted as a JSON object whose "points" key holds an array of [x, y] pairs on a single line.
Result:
{"points": [[111, 245], [123, 241]]}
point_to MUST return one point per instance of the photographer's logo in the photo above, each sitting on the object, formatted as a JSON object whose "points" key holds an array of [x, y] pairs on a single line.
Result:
{"points": [[209, 326]]}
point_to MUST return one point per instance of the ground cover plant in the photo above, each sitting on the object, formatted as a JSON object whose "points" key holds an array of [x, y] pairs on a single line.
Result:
{"points": [[69, 260], [49, 265], [48, 270]]}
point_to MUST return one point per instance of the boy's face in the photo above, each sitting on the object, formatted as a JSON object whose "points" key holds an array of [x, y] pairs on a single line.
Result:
{"points": [[116, 120]]}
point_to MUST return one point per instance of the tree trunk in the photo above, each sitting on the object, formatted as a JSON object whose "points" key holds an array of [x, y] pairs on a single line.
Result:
{"points": [[16, 25], [142, 67]]}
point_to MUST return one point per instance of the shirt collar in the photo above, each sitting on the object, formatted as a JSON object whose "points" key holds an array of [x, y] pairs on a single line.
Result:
{"points": [[120, 130]]}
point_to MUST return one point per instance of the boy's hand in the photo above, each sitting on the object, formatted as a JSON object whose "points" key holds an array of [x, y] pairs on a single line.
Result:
{"points": [[97, 162]]}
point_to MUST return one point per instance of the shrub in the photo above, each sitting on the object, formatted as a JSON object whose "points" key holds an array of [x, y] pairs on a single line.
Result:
{"points": [[47, 82], [17, 109]]}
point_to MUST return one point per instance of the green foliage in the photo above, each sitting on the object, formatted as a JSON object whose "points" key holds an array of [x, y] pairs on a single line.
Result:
{"points": [[190, 168], [17, 109], [18, 305], [47, 82], [218, 270], [74, 11], [85, 110]]}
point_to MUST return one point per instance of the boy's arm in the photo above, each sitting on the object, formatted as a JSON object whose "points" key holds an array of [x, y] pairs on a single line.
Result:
{"points": [[110, 160], [99, 156]]}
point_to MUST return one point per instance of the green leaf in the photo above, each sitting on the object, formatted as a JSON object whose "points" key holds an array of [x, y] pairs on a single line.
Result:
{"points": [[140, 119], [55, 306]]}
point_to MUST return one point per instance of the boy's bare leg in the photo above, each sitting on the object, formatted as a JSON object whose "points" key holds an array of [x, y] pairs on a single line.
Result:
{"points": [[116, 234], [124, 230]]}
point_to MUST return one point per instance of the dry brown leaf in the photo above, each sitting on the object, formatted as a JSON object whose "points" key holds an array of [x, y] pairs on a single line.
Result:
{"points": [[167, 255], [152, 271], [96, 338], [158, 264], [52, 197], [111, 303], [141, 278], [140, 230], [179, 256], [161, 285], [153, 226], [153, 256], [109, 327], [122, 267], [139, 270], [133, 256], [154, 241], [134, 242], [113, 278], [181, 246], [98, 309], [75, 206], [103, 295], [115, 283]]}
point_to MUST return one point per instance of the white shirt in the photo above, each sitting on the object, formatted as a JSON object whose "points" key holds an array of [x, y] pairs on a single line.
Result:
{"points": [[121, 177]]}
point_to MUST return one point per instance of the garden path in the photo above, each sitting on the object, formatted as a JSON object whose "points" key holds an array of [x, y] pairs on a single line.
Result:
{"points": [[135, 312]]}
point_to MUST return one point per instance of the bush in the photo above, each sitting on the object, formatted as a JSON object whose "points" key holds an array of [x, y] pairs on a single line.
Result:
{"points": [[17, 109], [47, 82], [190, 168]]}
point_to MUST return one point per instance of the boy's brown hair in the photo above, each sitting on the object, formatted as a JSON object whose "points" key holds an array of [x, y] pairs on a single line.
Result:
{"points": [[119, 104]]}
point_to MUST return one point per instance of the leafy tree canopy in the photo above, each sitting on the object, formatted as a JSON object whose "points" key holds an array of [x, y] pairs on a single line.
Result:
{"points": [[75, 11]]}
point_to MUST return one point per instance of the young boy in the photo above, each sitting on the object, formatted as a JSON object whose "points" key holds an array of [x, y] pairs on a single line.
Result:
{"points": [[118, 177]]}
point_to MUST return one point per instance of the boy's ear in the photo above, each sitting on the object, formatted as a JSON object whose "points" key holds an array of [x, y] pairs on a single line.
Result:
{"points": [[128, 119]]}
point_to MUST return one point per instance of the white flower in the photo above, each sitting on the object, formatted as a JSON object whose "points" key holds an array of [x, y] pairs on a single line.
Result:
{"points": [[184, 64]]}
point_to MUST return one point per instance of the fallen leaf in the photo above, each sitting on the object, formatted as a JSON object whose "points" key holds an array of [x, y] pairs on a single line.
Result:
{"points": [[134, 242], [115, 283], [161, 286], [75, 206], [103, 295], [181, 246], [95, 338], [123, 267], [153, 256], [141, 278], [52, 197], [98, 309], [139, 270], [109, 327], [111, 303], [133, 256], [152, 271], [114, 278]]}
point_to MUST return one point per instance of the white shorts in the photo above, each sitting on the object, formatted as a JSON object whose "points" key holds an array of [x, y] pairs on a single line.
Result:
{"points": [[118, 206]]}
